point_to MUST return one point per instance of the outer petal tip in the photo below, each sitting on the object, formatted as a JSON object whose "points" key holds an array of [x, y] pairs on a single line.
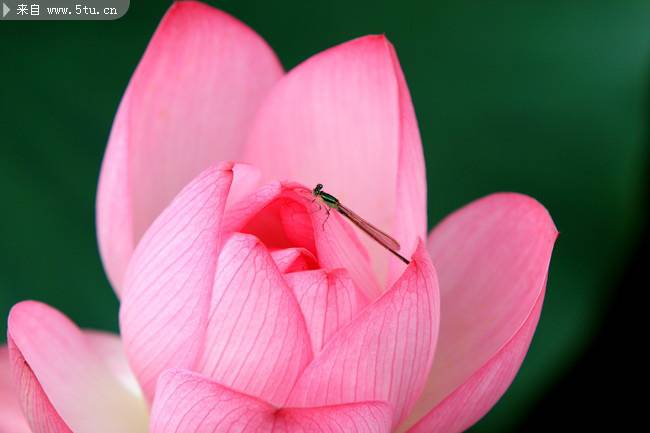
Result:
{"points": [[422, 259], [420, 254], [352, 93], [537, 211], [373, 41], [493, 257], [173, 122], [22, 311]]}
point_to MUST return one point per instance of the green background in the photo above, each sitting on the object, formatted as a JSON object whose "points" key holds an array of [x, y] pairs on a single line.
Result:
{"points": [[546, 98]]}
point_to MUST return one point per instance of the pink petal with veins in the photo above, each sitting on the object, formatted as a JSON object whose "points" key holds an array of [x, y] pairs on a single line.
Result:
{"points": [[256, 340], [476, 396], [344, 118], [165, 306], [40, 414], [242, 212], [286, 216], [492, 258], [189, 403], [189, 104], [385, 353], [329, 300], [63, 383], [12, 419], [294, 260]]}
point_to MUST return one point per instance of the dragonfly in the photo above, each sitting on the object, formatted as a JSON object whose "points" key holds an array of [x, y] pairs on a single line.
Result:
{"points": [[382, 238]]}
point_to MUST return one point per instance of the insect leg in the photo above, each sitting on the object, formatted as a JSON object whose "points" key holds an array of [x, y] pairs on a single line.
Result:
{"points": [[317, 204], [327, 217]]}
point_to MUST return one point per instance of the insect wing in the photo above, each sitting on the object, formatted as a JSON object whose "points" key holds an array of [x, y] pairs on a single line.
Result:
{"points": [[371, 230]]}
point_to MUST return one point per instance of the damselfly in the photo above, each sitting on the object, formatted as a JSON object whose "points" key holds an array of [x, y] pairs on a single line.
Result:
{"points": [[384, 240]]}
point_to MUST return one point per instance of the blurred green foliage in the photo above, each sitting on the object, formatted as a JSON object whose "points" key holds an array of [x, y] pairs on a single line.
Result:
{"points": [[546, 98]]}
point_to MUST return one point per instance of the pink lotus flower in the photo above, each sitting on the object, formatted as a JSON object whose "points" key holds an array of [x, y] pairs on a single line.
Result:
{"points": [[242, 309]]}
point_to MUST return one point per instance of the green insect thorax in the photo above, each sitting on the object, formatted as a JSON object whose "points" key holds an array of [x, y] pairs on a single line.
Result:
{"points": [[329, 200]]}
